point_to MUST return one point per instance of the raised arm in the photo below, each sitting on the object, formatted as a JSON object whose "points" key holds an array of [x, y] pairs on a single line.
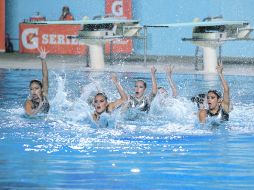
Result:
{"points": [[42, 56], [124, 96], [226, 98], [154, 82], [169, 71]]}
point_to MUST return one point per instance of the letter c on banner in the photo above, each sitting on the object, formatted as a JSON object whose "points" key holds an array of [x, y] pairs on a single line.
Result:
{"points": [[117, 8], [30, 38]]}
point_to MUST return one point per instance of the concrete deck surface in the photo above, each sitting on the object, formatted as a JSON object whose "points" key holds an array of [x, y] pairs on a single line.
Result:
{"points": [[232, 66]]}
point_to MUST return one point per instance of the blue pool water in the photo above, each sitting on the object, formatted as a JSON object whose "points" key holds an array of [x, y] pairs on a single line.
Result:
{"points": [[165, 149]]}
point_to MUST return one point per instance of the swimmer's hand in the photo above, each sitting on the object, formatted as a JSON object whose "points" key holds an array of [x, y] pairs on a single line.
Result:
{"points": [[43, 53], [153, 70], [169, 70], [219, 67], [114, 78]]}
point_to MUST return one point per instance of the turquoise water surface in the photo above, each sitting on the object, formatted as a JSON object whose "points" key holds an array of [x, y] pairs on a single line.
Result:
{"points": [[165, 149]]}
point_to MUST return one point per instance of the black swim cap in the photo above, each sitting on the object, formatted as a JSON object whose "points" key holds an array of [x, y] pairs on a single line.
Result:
{"points": [[36, 81], [218, 93]]}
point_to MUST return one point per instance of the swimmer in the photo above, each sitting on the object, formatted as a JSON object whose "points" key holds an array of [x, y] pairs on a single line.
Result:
{"points": [[139, 100], [218, 105], [162, 90], [101, 103], [37, 101]]}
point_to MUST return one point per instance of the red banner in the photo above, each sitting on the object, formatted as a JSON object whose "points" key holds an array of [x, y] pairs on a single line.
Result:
{"points": [[119, 9], [55, 38], [2, 25]]}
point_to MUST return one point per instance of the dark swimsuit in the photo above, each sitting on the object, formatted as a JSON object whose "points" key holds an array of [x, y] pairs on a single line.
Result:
{"points": [[45, 105], [220, 114], [143, 104]]}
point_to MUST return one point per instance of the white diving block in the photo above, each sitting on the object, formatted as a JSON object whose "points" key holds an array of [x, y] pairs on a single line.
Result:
{"points": [[211, 34], [95, 33]]}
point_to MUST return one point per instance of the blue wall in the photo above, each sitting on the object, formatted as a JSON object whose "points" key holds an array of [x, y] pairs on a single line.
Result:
{"points": [[160, 41]]}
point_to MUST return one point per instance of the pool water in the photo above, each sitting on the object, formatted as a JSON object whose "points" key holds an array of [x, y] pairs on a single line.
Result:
{"points": [[165, 149]]}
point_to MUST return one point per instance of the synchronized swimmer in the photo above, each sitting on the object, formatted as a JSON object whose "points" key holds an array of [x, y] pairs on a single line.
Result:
{"points": [[139, 100], [101, 104], [219, 105], [37, 101]]}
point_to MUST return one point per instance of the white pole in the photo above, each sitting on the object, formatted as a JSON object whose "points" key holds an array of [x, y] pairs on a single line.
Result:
{"points": [[96, 56], [210, 59]]}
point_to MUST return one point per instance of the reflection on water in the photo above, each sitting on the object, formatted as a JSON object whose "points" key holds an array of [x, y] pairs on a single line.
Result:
{"points": [[165, 149]]}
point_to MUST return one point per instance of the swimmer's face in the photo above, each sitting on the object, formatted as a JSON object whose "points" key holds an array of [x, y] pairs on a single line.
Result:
{"points": [[162, 92], [35, 92], [212, 100], [100, 103], [139, 89]]}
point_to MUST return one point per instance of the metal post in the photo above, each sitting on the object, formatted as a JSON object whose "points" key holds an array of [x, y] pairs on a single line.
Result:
{"points": [[110, 52], [145, 45], [196, 58], [219, 54], [87, 56]]}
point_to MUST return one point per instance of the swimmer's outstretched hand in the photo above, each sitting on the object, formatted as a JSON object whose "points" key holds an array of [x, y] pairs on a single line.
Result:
{"points": [[43, 53], [169, 70], [153, 70], [219, 67], [114, 78]]}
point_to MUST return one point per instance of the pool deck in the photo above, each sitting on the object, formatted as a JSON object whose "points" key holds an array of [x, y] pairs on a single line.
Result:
{"points": [[232, 66]]}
